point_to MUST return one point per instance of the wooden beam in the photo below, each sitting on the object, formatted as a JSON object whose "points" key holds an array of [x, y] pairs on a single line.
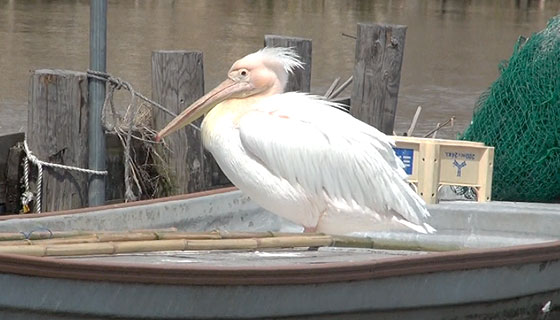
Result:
{"points": [[377, 74], [300, 80], [57, 132]]}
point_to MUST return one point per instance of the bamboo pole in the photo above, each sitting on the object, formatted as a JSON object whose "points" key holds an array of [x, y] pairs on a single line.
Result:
{"points": [[439, 126], [343, 86], [92, 245], [76, 249], [414, 120], [393, 244], [7, 236], [332, 87], [69, 237], [25, 242], [70, 243], [293, 241], [45, 234]]}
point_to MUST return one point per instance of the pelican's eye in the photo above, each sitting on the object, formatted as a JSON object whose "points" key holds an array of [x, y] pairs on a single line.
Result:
{"points": [[243, 72]]}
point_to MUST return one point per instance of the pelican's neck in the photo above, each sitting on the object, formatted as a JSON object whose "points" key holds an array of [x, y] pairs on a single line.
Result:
{"points": [[278, 87], [224, 116]]}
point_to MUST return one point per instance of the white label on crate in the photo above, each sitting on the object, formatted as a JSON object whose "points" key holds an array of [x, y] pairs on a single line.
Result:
{"points": [[460, 155]]}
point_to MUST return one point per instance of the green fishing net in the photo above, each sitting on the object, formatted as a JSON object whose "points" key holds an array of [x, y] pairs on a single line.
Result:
{"points": [[520, 116]]}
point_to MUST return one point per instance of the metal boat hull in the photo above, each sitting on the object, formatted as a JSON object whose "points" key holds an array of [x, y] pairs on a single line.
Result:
{"points": [[514, 279]]}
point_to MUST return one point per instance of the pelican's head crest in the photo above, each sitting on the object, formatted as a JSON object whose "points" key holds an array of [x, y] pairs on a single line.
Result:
{"points": [[269, 68], [286, 57]]}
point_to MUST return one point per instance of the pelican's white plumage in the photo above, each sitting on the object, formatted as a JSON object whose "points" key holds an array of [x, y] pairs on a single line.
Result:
{"points": [[297, 156]]}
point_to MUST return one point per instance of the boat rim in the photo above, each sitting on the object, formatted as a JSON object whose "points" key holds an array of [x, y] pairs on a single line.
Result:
{"points": [[461, 260]]}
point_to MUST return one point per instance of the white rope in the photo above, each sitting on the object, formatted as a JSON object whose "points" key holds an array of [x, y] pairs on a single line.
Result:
{"points": [[28, 195], [37, 162]]}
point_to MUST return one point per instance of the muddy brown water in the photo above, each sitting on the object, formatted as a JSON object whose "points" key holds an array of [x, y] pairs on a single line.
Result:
{"points": [[452, 48]]}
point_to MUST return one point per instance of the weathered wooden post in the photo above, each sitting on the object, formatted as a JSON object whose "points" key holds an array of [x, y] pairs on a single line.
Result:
{"points": [[300, 80], [377, 74], [177, 81], [11, 170], [14, 172], [57, 132]]}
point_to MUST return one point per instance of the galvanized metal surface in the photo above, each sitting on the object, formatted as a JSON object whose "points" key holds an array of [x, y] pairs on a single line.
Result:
{"points": [[462, 224], [393, 295], [507, 282], [226, 211], [248, 258], [96, 136]]}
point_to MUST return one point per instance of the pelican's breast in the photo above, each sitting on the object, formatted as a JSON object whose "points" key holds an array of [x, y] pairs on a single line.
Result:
{"points": [[220, 135]]}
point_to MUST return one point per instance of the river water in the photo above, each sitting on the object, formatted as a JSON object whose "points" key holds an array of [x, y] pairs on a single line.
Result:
{"points": [[452, 51]]}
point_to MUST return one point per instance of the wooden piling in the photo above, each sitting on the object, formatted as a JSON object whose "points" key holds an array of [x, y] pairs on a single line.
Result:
{"points": [[300, 80], [10, 171], [178, 81], [57, 132], [377, 74], [13, 184]]}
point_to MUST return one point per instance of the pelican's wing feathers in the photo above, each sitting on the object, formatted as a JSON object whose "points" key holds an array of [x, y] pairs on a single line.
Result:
{"points": [[308, 142]]}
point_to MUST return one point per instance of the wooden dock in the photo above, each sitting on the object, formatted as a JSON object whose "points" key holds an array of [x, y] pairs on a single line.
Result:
{"points": [[58, 122]]}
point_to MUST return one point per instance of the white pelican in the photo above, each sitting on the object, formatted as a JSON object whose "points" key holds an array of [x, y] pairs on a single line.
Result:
{"points": [[297, 156]]}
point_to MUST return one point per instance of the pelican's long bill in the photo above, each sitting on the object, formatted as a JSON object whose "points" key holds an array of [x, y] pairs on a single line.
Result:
{"points": [[223, 91]]}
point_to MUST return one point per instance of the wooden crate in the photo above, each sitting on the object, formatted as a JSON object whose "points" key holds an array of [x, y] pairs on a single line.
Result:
{"points": [[432, 163]]}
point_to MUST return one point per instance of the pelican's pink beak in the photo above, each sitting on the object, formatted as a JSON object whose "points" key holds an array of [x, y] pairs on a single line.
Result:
{"points": [[225, 90]]}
